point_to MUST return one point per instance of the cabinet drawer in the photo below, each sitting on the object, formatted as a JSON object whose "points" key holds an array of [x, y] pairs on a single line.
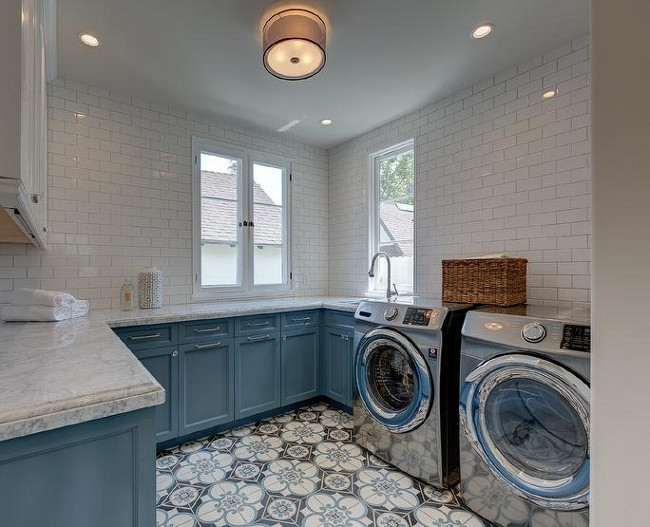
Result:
{"points": [[142, 337], [339, 319], [257, 324], [300, 319], [204, 330]]}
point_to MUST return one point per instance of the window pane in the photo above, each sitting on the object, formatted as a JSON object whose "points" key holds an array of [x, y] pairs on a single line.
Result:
{"points": [[396, 191], [268, 217], [220, 213]]}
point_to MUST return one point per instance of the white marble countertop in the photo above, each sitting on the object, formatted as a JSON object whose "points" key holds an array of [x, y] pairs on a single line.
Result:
{"points": [[54, 374]]}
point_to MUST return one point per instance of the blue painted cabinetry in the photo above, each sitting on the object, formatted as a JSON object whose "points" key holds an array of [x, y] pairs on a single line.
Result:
{"points": [[162, 363], [99, 473], [300, 349], [219, 371], [337, 357], [206, 379]]}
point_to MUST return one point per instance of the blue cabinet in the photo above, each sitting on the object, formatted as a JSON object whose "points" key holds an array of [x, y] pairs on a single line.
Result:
{"points": [[162, 363], [257, 374], [206, 385], [299, 357], [98, 473], [337, 356]]}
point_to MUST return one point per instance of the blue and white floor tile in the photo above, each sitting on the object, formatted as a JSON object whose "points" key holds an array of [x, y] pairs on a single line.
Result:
{"points": [[295, 469]]}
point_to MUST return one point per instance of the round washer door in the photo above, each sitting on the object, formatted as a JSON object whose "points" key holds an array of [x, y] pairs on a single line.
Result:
{"points": [[528, 418], [393, 380]]}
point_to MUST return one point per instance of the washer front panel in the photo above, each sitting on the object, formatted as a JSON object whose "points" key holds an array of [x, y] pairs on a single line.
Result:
{"points": [[528, 418], [393, 380]]}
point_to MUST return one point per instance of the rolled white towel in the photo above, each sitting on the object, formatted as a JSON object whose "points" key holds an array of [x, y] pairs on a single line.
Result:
{"points": [[44, 313], [40, 297]]}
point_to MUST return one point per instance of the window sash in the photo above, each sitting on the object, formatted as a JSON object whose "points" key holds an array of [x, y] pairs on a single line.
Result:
{"points": [[245, 235], [375, 214]]}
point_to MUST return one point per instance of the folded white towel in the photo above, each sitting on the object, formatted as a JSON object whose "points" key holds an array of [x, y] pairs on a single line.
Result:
{"points": [[44, 313], [39, 297]]}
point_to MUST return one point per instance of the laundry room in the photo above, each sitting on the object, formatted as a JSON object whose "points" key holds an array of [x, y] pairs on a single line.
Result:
{"points": [[324, 263]]}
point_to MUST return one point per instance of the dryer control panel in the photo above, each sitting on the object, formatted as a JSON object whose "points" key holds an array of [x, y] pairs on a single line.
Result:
{"points": [[417, 316], [576, 338], [520, 332], [392, 314]]}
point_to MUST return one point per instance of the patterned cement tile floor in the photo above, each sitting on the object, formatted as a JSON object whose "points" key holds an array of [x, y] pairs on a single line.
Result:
{"points": [[299, 468]]}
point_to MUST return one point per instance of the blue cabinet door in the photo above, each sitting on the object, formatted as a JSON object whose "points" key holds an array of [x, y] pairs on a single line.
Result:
{"points": [[257, 374], [162, 363], [299, 365], [206, 386], [337, 365]]}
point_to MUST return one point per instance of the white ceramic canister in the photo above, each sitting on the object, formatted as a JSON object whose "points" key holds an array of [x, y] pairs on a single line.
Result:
{"points": [[150, 285]]}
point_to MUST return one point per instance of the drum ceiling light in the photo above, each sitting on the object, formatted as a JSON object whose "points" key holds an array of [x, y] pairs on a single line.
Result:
{"points": [[294, 44]]}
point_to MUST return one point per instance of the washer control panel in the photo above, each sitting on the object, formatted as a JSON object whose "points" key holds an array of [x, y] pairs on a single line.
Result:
{"points": [[533, 332], [417, 316], [576, 338], [391, 313], [401, 315]]}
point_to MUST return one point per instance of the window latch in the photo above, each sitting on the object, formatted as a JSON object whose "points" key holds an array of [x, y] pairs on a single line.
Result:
{"points": [[245, 224]]}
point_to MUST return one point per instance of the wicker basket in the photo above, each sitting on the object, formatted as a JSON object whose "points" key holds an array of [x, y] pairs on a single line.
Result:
{"points": [[497, 281]]}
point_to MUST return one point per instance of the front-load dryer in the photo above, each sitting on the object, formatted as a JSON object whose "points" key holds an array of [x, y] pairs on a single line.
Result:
{"points": [[524, 415], [406, 368]]}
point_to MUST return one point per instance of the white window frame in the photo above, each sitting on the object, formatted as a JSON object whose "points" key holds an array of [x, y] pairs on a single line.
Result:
{"points": [[246, 287], [373, 210]]}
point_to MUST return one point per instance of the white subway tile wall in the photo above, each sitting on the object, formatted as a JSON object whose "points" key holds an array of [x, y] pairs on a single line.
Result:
{"points": [[119, 197], [498, 170]]}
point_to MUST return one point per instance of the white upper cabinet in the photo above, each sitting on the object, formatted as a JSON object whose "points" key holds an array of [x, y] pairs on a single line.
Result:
{"points": [[25, 27]]}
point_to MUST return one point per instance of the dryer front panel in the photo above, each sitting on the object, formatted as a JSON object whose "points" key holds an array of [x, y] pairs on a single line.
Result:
{"points": [[528, 418]]}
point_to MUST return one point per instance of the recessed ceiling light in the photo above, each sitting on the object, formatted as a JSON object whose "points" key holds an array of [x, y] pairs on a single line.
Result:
{"points": [[89, 40], [482, 31], [549, 94], [326, 122]]}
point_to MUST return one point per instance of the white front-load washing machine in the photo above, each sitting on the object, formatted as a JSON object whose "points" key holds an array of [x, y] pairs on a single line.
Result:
{"points": [[406, 385], [524, 415]]}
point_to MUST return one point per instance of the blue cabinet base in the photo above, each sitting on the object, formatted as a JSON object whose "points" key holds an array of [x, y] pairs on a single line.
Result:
{"points": [[99, 473]]}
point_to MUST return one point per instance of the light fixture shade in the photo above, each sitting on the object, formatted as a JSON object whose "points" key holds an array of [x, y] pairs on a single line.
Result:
{"points": [[294, 44]]}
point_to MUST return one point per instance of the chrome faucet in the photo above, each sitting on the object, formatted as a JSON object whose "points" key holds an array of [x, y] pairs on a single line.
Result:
{"points": [[371, 273]]}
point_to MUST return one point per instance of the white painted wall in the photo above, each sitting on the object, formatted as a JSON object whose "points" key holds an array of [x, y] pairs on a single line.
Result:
{"points": [[621, 256], [119, 197], [497, 170]]}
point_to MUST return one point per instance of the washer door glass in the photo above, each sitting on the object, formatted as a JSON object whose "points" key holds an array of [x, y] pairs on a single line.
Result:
{"points": [[393, 380], [528, 418]]}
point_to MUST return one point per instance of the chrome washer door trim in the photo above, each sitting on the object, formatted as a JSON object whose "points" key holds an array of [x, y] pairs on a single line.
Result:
{"points": [[416, 413], [569, 493]]}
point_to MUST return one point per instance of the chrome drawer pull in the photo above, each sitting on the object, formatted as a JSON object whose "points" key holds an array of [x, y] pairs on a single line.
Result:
{"points": [[258, 324], [259, 337], [145, 337], [207, 330], [301, 319], [206, 346]]}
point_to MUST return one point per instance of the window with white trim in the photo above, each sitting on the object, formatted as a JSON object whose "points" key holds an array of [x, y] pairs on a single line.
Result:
{"points": [[392, 216], [241, 221]]}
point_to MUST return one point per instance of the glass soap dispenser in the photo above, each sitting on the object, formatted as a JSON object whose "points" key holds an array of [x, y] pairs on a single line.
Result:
{"points": [[127, 296]]}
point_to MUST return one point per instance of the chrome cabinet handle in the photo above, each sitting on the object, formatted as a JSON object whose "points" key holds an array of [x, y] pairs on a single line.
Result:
{"points": [[259, 337], [257, 324], [145, 337], [206, 346], [284, 337], [301, 319], [175, 353], [208, 330]]}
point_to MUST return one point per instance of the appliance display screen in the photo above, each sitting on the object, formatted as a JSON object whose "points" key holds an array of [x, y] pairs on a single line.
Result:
{"points": [[417, 316], [576, 338]]}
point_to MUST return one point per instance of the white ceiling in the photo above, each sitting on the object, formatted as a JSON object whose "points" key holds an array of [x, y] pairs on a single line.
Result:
{"points": [[385, 58]]}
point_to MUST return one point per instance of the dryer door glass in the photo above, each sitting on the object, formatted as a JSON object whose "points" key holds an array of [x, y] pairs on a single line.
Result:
{"points": [[536, 429], [393, 380], [528, 418]]}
